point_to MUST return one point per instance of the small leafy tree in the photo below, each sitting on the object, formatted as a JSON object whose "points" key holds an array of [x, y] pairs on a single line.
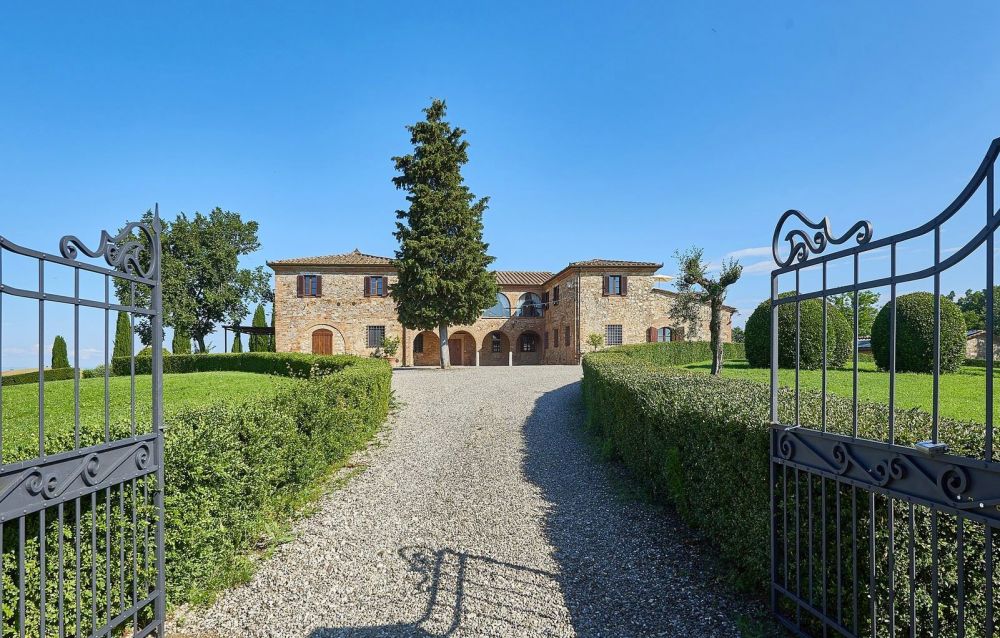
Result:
{"points": [[259, 343], [738, 335], [237, 343], [698, 289], [60, 359], [387, 349], [867, 309], [123, 337], [441, 260], [181, 343], [595, 340]]}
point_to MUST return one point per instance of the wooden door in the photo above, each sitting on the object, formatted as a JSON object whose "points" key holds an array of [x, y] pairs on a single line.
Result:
{"points": [[455, 350], [322, 341]]}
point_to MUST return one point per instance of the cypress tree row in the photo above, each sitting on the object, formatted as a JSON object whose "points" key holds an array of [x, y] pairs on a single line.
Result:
{"points": [[272, 340], [259, 343], [237, 343]]}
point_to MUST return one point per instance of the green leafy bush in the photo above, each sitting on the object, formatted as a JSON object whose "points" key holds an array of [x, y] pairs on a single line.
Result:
{"points": [[679, 353], [60, 359], [32, 377], [701, 443], [839, 343], [915, 334], [281, 363], [235, 471]]}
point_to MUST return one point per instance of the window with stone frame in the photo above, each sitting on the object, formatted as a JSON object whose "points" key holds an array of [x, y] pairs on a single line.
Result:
{"points": [[555, 296], [309, 286], [376, 335], [568, 340], [496, 343], [614, 285], [375, 286], [663, 334], [529, 342], [613, 335]]}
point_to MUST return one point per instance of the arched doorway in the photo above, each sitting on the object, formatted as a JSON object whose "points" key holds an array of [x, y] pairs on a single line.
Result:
{"points": [[495, 350], [426, 349], [528, 349], [462, 349], [322, 341]]}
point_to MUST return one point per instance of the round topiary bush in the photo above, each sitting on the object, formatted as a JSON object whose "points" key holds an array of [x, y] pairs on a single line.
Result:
{"points": [[840, 335], [915, 334]]}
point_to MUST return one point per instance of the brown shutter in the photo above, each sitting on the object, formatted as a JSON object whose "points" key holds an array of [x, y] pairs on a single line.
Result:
{"points": [[624, 285], [385, 286], [604, 290], [651, 335], [319, 285], [368, 286], [545, 298], [298, 285]]}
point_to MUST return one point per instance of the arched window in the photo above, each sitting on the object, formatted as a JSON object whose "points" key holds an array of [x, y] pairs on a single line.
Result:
{"points": [[500, 309], [529, 342], [529, 305], [663, 334]]}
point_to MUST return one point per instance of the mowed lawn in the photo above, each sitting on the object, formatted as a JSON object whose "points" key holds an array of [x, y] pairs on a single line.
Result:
{"points": [[963, 393], [20, 404]]}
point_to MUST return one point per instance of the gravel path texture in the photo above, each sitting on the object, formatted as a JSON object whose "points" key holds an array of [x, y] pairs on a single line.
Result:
{"points": [[483, 511]]}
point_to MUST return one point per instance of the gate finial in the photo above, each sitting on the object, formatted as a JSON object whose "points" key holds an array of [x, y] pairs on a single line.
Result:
{"points": [[801, 245]]}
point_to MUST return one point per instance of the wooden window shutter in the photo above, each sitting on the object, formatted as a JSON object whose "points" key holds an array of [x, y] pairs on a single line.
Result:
{"points": [[545, 297], [298, 285], [651, 335], [604, 290], [624, 290], [385, 286], [319, 285], [368, 286]]}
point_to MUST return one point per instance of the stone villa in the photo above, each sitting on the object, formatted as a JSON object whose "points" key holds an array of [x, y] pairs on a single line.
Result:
{"points": [[341, 304]]}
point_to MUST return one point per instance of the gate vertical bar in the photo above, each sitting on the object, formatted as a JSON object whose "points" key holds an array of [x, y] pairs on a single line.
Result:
{"points": [[156, 306], [990, 326]]}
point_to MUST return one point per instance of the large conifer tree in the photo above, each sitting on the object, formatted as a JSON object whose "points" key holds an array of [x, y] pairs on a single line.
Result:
{"points": [[441, 260], [259, 343]]}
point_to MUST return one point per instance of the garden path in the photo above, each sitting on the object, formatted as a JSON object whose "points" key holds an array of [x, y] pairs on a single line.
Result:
{"points": [[483, 511]]}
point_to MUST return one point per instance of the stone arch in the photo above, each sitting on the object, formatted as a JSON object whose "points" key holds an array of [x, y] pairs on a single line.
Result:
{"points": [[499, 310], [462, 348], [528, 348], [430, 356], [529, 305], [338, 344], [495, 349]]}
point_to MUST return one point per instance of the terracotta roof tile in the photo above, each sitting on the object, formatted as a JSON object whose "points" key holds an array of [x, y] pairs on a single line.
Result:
{"points": [[614, 263], [521, 277], [354, 258]]}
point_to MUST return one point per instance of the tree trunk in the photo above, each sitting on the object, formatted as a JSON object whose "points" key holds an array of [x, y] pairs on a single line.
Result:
{"points": [[201, 343], [445, 355], [715, 327]]}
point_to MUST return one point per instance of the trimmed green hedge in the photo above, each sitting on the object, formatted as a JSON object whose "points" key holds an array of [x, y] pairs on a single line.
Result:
{"points": [[915, 334], [58, 374], [839, 340], [280, 363], [235, 471], [701, 443], [679, 353]]}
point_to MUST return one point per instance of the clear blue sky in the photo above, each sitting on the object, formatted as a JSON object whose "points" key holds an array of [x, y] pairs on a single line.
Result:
{"points": [[618, 130]]}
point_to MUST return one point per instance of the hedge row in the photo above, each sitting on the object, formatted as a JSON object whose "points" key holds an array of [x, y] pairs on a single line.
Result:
{"points": [[701, 443], [280, 363], [57, 374], [235, 471], [679, 353]]}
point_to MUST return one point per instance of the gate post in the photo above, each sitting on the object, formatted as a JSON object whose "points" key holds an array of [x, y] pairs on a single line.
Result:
{"points": [[156, 305]]}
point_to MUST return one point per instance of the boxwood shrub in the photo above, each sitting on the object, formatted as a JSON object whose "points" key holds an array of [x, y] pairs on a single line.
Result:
{"points": [[679, 353], [235, 471], [281, 363], [701, 443], [915, 334], [57, 374], [839, 342]]}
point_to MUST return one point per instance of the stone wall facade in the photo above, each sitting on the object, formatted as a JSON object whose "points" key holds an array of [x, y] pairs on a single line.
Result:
{"points": [[559, 336]]}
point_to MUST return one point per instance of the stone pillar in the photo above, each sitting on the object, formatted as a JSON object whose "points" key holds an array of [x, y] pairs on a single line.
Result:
{"points": [[477, 358], [510, 358]]}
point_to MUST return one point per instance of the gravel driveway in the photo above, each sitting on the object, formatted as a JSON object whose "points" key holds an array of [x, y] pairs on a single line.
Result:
{"points": [[484, 512]]}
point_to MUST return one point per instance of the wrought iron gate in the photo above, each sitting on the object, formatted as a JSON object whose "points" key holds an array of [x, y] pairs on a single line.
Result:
{"points": [[882, 520], [81, 490]]}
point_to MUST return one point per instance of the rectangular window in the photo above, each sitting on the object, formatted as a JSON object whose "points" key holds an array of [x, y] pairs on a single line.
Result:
{"points": [[376, 334], [496, 343], [310, 285], [555, 337], [614, 284], [567, 335], [529, 343], [376, 286], [613, 335], [555, 296], [418, 343]]}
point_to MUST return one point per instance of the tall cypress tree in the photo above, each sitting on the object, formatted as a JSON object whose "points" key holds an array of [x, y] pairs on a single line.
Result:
{"points": [[259, 343], [123, 337], [441, 260], [272, 341], [181, 343], [237, 343], [60, 358]]}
